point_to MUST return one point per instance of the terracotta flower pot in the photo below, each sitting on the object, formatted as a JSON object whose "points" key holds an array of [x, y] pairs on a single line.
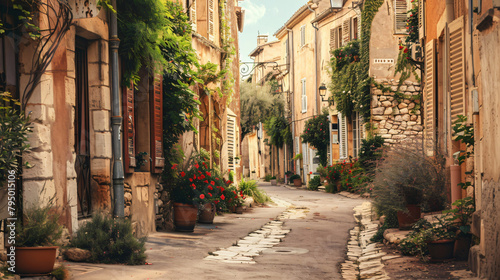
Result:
{"points": [[185, 216], [207, 214], [35, 260], [239, 209], [440, 250], [297, 182], [406, 220]]}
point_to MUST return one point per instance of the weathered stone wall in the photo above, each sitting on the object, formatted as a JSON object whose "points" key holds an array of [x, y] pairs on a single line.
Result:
{"points": [[396, 120], [141, 189]]}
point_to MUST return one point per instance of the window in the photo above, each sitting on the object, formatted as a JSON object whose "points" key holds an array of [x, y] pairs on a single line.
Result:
{"points": [[356, 134], [304, 96], [355, 27], [400, 16], [302, 35]]}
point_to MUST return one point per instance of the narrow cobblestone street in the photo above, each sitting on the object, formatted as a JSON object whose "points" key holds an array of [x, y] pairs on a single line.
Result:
{"points": [[302, 234]]}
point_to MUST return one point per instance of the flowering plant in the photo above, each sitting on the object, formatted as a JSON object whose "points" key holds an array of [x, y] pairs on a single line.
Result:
{"points": [[348, 174], [199, 184]]}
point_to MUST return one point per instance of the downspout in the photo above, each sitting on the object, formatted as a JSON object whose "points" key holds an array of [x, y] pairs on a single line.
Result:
{"points": [[315, 64], [291, 81], [116, 119]]}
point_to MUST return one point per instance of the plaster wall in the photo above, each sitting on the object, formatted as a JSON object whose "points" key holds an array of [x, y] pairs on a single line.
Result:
{"points": [[270, 51], [53, 113], [488, 152]]}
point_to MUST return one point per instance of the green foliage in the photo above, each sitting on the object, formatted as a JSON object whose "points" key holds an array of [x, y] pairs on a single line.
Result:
{"points": [[142, 159], [346, 73], [314, 183], [278, 129], [198, 183], [61, 273], [316, 133], [461, 216], [141, 27], [464, 132], [267, 177], [257, 105], [40, 227], [293, 177], [14, 129], [363, 97], [250, 188], [371, 151], [391, 221], [407, 176], [110, 241], [414, 243]]}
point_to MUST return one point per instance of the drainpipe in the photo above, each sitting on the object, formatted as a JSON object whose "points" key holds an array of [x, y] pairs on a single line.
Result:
{"points": [[116, 119], [291, 81], [315, 64]]}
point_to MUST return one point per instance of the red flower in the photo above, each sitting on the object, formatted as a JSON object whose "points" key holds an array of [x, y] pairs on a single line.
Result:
{"points": [[206, 181], [310, 172], [208, 173], [228, 182], [194, 186], [213, 183], [235, 192], [199, 178], [217, 179], [210, 188], [197, 166], [209, 194], [222, 197], [405, 50], [221, 189], [183, 174], [190, 179], [174, 166], [202, 196], [400, 47], [216, 201]]}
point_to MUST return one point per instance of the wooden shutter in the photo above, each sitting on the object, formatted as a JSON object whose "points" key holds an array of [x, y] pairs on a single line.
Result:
{"points": [[305, 158], [421, 19], [128, 128], [400, 16], [429, 97], [359, 27], [332, 40], [211, 20], [304, 96], [231, 140], [192, 15], [457, 69], [156, 102], [343, 136], [302, 35], [346, 32]]}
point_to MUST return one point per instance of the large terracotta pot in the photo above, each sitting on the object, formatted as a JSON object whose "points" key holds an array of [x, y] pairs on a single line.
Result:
{"points": [[297, 182], [440, 250], [185, 216], [406, 220], [35, 260], [207, 214]]}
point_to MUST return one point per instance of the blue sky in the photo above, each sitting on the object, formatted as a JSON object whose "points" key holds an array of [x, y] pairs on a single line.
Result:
{"points": [[264, 17]]}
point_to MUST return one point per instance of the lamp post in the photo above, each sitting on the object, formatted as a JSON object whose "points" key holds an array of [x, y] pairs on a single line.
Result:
{"points": [[322, 92]]}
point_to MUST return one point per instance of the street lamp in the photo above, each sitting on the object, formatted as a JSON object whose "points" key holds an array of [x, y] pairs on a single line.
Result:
{"points": [[322, 92]]}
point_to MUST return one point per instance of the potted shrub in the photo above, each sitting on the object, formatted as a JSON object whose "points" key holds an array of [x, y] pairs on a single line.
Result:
{"points": [[274, 181], [460, 217], [296, 180], [440, 239], [406, 180], [37, 240]]}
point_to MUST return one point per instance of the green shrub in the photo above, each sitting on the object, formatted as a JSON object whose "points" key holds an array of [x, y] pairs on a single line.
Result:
{"points": [[314, 183], [267, 178], [249, 188], [110, 241], [40, 227], [293, 177], [370, 152], [391, 221]]}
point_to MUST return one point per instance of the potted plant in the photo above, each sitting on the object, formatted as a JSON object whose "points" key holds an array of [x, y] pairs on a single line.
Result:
{"points": [[288, 174], [296, 180], [407, 180], [440, 239], [460, 217], [37, 239], [273, 181]]}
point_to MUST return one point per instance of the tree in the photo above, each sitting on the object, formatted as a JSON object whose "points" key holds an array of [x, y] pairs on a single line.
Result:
{"points": [[316, 133], [256, 105]]}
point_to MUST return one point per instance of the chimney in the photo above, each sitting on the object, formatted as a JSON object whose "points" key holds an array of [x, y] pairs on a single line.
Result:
{"points": [[261, 39]]}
